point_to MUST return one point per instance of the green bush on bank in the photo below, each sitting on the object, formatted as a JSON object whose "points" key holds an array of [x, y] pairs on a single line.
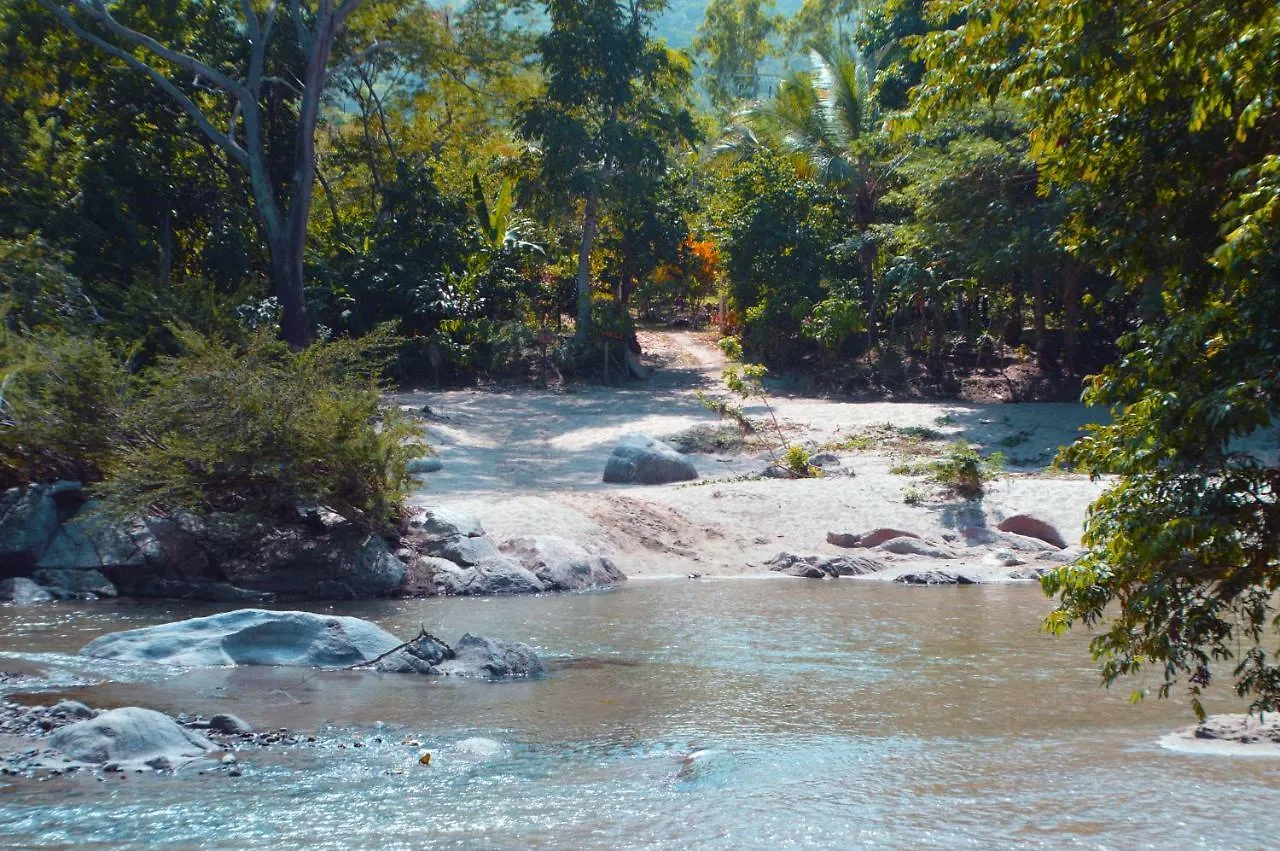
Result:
{"points": [[253, 427]]}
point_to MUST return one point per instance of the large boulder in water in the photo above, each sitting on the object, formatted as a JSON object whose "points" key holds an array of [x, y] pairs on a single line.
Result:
{"points": [[75, 584], [561, 565], [641, 459], [250, 637], [303, 639], [345, 564], [476, 656], [19, 589], [129, 735]]}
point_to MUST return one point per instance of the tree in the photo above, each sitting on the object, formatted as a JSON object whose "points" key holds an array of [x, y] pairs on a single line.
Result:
{"points": [[200, 87], [606, 111], [732, 40], [1158, 121], [827, 121]]}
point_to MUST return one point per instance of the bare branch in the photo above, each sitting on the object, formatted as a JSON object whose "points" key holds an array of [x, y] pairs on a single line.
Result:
{"points": [[96, 10], [356, 58], [223, 140]]}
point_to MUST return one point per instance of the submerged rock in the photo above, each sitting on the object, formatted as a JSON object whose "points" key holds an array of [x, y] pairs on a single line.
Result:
{"points": [[935, 577], [75, 584], [422, 466], [640, 459], [128, 735], [823, 567]]}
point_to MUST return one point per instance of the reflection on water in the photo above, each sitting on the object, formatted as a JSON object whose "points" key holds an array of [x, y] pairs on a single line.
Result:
{"points": [[728, 714]]}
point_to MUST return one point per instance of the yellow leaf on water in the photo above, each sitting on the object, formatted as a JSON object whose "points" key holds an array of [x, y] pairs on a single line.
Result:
{"points": [[425, 759]]}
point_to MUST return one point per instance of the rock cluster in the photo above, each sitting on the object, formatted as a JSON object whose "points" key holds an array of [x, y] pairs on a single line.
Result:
{"points": [[56, 545], [449, 553]]}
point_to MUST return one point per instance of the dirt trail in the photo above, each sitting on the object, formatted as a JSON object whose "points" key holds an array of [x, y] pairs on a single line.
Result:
{"points": [[530, 462]]}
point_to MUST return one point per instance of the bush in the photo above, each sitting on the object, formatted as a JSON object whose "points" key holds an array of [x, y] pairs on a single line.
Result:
{"points": [[62, 400], [260, 428], [963, 471]]}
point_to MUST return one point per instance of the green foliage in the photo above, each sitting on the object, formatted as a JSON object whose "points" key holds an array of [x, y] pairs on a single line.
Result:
{"points": [[1184, 557], [260, 428], [733, 39], [795, 459], [964, 472], [62, 402]]}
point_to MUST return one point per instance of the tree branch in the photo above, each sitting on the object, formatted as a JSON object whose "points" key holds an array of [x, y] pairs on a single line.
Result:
{"points": [[223, 140]]}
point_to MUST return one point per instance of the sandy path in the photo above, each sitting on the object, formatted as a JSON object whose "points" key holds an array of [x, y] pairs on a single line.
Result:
{"points": [[530, 462]]}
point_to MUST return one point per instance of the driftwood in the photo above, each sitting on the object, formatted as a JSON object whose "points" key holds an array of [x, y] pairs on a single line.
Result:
{"points": [[422, 633]]}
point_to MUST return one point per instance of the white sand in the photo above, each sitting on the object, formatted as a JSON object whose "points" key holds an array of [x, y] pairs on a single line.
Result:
{"points": [[530, 462]]}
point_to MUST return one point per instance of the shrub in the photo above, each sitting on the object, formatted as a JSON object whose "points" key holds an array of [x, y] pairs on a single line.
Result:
{"points": [[62, 399], [261, 428], [963, 471]]}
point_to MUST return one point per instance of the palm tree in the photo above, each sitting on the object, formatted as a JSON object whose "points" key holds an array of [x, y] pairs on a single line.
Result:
{"points": [[828, 121]]}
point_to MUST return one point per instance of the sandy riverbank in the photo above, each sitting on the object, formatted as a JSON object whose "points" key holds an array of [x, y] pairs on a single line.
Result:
{"points": [[530, 462]]}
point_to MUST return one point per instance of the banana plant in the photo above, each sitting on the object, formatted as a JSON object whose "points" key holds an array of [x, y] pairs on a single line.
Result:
{"points": [[501, 226]]}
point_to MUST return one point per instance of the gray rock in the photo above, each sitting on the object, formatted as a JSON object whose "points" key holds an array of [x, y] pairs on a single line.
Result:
{"points": [[1002, 558], [641, 459], [224, 722], [421, 466], [500, 575], [1032, 527], [250, 637], [935, 577], [75, 584], [843, 539], [128, 736], [1030, 572], [825, 459], [19, 589], [1067, 556], [1243, 729], [561, 565], [467, 552], [71, 709], [28, 522], [1022, 543], [487, 658], [823, 567], [446, 523], [915, 547], [91, 542], [294, 563]]}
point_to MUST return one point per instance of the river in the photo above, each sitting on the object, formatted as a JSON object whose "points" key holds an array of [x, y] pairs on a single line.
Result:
{"points": [[722, 714]]}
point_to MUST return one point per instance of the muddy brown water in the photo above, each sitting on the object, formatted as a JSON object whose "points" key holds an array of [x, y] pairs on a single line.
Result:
{"points": [[729, 714]]}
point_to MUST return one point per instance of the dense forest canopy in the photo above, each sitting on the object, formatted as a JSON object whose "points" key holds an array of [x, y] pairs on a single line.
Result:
{"points": [[884, 195]]}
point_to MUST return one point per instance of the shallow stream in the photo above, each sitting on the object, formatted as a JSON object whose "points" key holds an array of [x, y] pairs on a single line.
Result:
{"points": [[731, 714]]}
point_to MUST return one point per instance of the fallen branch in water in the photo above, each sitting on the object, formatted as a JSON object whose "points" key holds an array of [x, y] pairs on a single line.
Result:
{"points": [[422, 633]]}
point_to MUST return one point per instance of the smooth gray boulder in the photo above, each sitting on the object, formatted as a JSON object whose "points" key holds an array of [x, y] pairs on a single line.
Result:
{"points": [[823, 567], [131, 735], [19, 589], [561, 565], [641, 459], [75, 584], [467, 552], [475, 656], [250, 637], [916, 547], [306, 640], [28, 522], [71, 709], [1032, 527]]}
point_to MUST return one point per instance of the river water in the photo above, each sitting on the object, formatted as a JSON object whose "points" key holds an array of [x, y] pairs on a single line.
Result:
{"points": [[722, 714]]}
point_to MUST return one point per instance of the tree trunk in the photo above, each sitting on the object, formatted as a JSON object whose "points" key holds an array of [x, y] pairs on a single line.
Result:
{"points": [[589, 224], [1071, 315], [1038, 306], [286, 270], [1013, 329]]}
